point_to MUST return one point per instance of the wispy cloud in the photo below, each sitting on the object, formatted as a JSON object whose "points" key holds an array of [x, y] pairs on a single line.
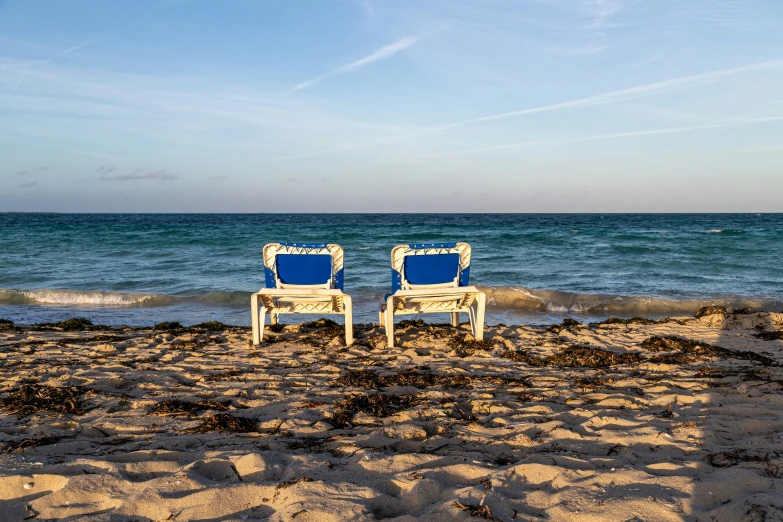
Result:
{"points": [[387, 51], [28, 184], [748, 120], [642, 91], [607, 98], [31, 171], [157, 175], [601, 12], [44, 62], [78, 46]]}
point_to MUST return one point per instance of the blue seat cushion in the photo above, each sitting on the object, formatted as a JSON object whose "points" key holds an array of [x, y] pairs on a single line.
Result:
{"points": [[431, 269], [304, 269]]}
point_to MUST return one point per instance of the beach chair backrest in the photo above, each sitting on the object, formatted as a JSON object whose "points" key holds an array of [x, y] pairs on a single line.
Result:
{"points": [[430, 265], [303, 265]]}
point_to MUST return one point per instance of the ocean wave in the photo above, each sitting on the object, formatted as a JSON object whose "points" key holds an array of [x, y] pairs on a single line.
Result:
{"points": [[500, 298], [80, 298], [560, 302]]}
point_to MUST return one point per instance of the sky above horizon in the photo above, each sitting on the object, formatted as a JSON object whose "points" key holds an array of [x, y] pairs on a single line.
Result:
{"points": [[391, 106]]}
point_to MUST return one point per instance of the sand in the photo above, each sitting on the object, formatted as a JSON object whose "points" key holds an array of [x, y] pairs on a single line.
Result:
{"points": [[439, 428]]}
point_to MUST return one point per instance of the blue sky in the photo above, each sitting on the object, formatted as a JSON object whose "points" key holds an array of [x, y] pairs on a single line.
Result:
{"points": [[371, 105]]}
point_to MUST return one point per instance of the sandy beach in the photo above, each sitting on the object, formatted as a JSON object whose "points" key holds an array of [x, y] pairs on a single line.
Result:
{"points": [[678, 419]]}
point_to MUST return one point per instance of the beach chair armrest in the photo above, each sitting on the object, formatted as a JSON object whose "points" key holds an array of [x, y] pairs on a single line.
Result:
{"points": [[436, 291]]}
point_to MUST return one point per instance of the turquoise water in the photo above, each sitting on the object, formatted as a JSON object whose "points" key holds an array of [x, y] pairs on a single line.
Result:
{"points": [[141, 268]]}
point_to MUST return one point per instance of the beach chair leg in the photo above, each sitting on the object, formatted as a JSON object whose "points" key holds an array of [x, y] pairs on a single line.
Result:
{"points": [[261, 319], [481, 306], [254, 319], [390, 322], [472, 318], [274, 318], [348, 320], [381, 314], [455, 319]]}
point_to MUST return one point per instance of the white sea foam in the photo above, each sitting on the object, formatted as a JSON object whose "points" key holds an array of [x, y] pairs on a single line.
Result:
{"points": [[81, 298], [507, 298], [555, 301]]}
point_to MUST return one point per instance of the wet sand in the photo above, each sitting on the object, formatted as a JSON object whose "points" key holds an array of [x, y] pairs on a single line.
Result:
{"points": [[670, 420]]}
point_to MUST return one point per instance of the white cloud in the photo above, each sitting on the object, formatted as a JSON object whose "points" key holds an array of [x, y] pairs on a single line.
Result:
{"points": [[387, 51]]}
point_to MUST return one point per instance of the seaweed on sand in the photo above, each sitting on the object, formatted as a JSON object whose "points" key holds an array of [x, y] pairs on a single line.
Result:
{"points": [[6, 325], [224, 375], [710, 310], [321, 332], [34, 398], [292, 482], [724, 459], [211, 325], [225, 422], [567, 324], [683, 351], [73, 324], [408, 323], [769, 336], [417, 377], [101, 338], [576, 356], [177, 407], [618, 320], [377, 405], [482, 512], [44, 440], [168, 326], [467, 347]]}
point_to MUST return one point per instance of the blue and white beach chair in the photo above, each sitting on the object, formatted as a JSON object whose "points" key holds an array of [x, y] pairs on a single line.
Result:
{"points": [[432, 278], [301, 279]]}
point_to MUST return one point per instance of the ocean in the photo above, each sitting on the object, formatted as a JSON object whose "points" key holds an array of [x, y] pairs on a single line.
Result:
{"points": [[139, 269]]}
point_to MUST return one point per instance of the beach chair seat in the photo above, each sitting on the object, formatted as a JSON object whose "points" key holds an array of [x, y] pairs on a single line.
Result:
{"points": [[301, 279], [432, 278]]}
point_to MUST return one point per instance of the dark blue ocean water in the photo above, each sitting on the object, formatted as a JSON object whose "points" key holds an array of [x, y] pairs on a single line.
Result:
{"points": [[143, 268]]}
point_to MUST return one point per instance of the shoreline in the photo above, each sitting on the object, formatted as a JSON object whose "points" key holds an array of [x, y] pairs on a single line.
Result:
{"points": [[660, 419]]}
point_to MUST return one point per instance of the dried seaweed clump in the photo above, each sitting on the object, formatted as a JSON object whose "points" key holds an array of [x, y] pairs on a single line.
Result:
{"points": [[34, 398], [565, 325], [225, 422], [377, 405], [769, 336], [683, 351], [482, 512], [576, 356], [709, 310], [173, 407], [223, 376], [632, 320], [293, 482], [411, 323], [321, 332], [168, 326], [44, 440], [7, 325], [211, 325], [467, 347], [417, 377], [724, 459], [72, 324]]}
